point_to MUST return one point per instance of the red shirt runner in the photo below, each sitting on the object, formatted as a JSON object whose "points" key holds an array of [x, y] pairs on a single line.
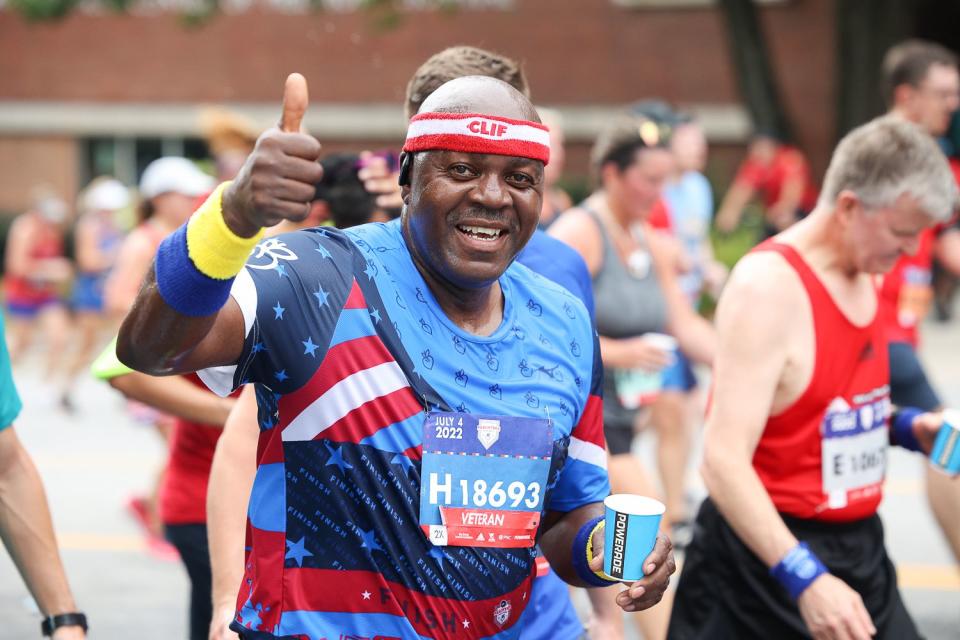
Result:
{"points": [[183, 492], [824, 457], [768, 180]]}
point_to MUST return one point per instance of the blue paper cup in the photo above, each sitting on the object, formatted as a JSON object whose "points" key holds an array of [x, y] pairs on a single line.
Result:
{"points": [[946, 448], [630, 532]]}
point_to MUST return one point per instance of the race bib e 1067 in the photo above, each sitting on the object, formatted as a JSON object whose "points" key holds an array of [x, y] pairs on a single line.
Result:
{"points": [[854, 446]]}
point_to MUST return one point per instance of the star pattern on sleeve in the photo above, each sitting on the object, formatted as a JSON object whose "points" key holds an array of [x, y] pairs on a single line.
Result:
{"points": [[321, 295], [278, 311], [369, 540], [309, 348], [297, 551], [336, 458]]}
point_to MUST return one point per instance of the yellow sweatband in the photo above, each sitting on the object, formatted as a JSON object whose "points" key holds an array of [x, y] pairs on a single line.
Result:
{"points": [[215, 250], [599, 526]]}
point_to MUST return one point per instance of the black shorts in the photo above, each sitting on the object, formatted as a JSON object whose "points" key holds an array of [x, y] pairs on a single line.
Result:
{"points": [[726, 592], [619, 438], [909, 386]]}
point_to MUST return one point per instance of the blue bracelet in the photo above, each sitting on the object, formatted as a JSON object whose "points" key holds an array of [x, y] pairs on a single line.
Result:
{"points": [[580, 563], [798, 569], [181, 285], [901, 428]]}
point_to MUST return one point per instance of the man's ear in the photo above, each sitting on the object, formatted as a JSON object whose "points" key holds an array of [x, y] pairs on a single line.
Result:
{"points": [[847, 204], [406, 160], [405, 193], [903, 95]]}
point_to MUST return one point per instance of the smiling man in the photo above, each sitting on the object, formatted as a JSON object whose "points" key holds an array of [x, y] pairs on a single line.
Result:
{"points": [[413, 382]]}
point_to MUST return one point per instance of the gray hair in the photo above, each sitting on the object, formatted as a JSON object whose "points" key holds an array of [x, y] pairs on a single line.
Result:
{"points": [[887, 158]]}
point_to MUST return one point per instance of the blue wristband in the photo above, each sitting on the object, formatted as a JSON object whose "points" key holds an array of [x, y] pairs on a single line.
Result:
{"points": [[580, 562], [901, 428], [181, 285], [798, 569]]}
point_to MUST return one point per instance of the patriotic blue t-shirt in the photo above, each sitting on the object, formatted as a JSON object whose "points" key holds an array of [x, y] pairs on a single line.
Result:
{"points": [[347, 348]]}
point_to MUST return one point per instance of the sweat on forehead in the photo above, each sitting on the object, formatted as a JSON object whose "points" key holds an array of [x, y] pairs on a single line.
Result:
{"points": [[480, 94]]}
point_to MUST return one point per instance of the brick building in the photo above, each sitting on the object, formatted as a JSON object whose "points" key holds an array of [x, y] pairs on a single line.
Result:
{"points": [[98, 92]]}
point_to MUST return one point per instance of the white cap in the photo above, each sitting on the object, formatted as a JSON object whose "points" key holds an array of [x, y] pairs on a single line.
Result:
{"points": [[106, 194], [179, 175]]}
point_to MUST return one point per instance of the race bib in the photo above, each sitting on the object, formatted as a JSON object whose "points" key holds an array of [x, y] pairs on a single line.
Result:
{"points": [[854, 446], [483, 479], [637, 387]]}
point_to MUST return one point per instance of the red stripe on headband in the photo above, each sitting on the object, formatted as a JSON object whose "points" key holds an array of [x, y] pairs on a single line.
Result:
{"points": [[478, 133]]}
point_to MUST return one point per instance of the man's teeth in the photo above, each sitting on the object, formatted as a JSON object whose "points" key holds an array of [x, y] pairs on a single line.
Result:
{"points": [[485, 233]]}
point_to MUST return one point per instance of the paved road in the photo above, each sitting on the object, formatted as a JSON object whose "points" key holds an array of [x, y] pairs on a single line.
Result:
{"points": [[93, 462]]}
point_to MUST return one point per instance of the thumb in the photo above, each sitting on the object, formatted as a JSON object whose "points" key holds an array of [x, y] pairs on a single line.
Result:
{"points": [[596, 563], [295, 101]]}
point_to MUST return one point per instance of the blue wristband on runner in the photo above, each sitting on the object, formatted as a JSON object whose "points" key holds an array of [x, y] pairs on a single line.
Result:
{"points": [[798, 569], [581, 557], [901, 428], [181, 285]]}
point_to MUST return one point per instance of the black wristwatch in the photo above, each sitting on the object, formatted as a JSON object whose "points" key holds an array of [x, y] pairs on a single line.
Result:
{"points": [[52, 623]]}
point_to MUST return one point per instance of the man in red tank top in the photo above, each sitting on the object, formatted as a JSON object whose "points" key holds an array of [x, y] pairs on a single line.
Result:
{"points": [[922, 85], [788, 545]]}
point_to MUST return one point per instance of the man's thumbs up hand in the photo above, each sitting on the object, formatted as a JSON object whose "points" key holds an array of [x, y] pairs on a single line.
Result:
{"points": [[278, 180]]}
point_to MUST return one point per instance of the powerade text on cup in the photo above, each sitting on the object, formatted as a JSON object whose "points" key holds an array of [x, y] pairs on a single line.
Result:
{"points": [[630, 532], [619, 545]]}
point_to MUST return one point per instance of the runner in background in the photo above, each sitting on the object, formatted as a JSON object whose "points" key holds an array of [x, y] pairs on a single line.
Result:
{"points": [[637, 293], [682, 216], [97, 240], [25, 526], [777, 174], [789, 543], [921, 85], [35, 278], [169, 188]]}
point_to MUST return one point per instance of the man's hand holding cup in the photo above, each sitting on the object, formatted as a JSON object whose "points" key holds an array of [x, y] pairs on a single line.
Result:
{"points": [[641, 557]]}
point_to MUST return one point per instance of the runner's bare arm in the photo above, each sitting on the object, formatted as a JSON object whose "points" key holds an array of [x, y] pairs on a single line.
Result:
{"points": [[231, 479], [276, 183], [695, 335], [752, 356], [157, 340], [175, 395], [753, 327], [27, 531]]}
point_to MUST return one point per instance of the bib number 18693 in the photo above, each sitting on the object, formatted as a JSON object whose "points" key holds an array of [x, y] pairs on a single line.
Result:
{"points": [[443, 490]]}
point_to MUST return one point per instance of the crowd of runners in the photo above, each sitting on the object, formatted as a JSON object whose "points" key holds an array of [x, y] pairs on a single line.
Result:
{"points": [[358, 361]]}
